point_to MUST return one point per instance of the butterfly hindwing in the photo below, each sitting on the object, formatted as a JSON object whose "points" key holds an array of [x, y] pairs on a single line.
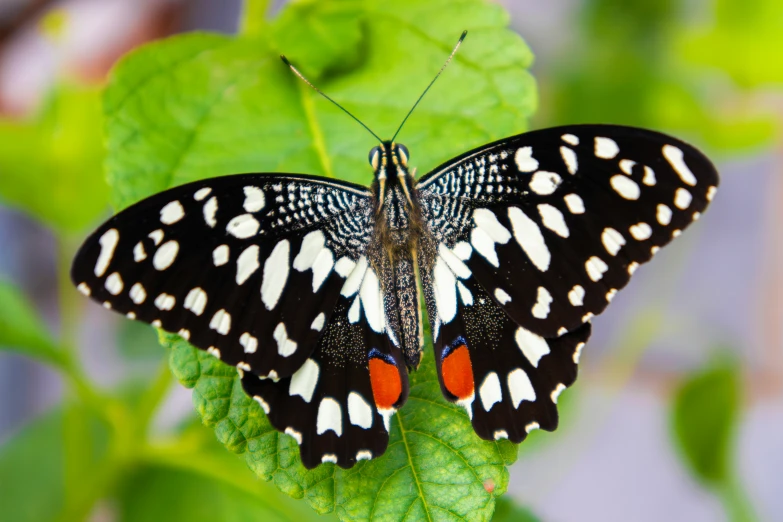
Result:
{"points": [[507, 377], [338, 405], [247, 267], [552, 223]]}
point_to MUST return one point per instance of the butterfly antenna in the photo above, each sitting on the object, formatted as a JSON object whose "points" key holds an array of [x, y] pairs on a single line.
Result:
{"points": [[319, 91], [464, 34]]}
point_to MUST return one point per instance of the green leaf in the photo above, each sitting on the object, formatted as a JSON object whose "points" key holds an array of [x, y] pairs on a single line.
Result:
{"points": [[22, 329], [319, 36], [506, 510], [202, 105], [51, 166], [704, 420]]}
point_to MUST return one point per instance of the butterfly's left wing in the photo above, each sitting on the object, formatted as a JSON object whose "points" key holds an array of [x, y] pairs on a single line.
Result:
{"points": [[547, 226]]}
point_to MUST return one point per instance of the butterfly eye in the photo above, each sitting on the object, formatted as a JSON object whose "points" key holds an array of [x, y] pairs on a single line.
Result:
{"points": [[403, 151], [375, 156]]}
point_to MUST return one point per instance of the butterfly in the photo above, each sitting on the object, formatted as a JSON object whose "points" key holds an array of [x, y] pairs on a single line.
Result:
{"points": [[312, 287]]}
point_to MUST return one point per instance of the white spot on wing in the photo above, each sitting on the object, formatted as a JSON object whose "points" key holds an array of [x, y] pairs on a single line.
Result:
{"points": [[138, 252], [266, 409], [454, 263], [682, 198], [578, 352], [556, 392], [502, 296], [276, 270], [344, 266], [569, 158], [84, 289], [553, 219], [114, 284], [137, 293], [606, 148], [595, 268], [294, 434], [625, 186], [533, 346], [663, 214], [304, 381], [202, 193], [463, 250], [318, 322], [372, 301], [254, 199], [108, 242], [330, 417], [445, 290], [243, 226], [520, 387], [626, 166], [285, 346], [210, 211], [576, 295], [220, 255], [221, 322], [171, 213], [613, 241], [490, 391], [711, 193], [465, 294], [543, 300], [524, 159], [247, 263], [544, 183], [165, 301], [156, 236], [529, 237], [354, 280], [248, 342], [165, 255], [359, 411], [574, 203], [641, 231], [676, 159]]}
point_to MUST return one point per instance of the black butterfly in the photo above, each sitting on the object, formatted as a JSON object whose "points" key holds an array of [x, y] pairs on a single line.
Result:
{"points": [[309, 286]]}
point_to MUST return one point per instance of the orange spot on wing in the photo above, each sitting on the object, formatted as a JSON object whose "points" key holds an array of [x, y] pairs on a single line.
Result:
{"points": [[386, 383], [457, 373]]}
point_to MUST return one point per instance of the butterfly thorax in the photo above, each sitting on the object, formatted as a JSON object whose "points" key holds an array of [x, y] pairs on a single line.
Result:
{"points": [[393, 250]]}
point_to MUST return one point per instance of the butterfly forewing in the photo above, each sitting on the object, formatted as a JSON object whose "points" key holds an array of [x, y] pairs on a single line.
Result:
{"points": [[248, 267], [553, 223]]}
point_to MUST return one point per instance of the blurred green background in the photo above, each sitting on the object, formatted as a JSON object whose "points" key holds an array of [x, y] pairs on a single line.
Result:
{"points": [[678, 410]]}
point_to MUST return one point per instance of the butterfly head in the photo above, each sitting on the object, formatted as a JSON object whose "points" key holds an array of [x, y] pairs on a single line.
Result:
{"points": [[389, 160]]}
